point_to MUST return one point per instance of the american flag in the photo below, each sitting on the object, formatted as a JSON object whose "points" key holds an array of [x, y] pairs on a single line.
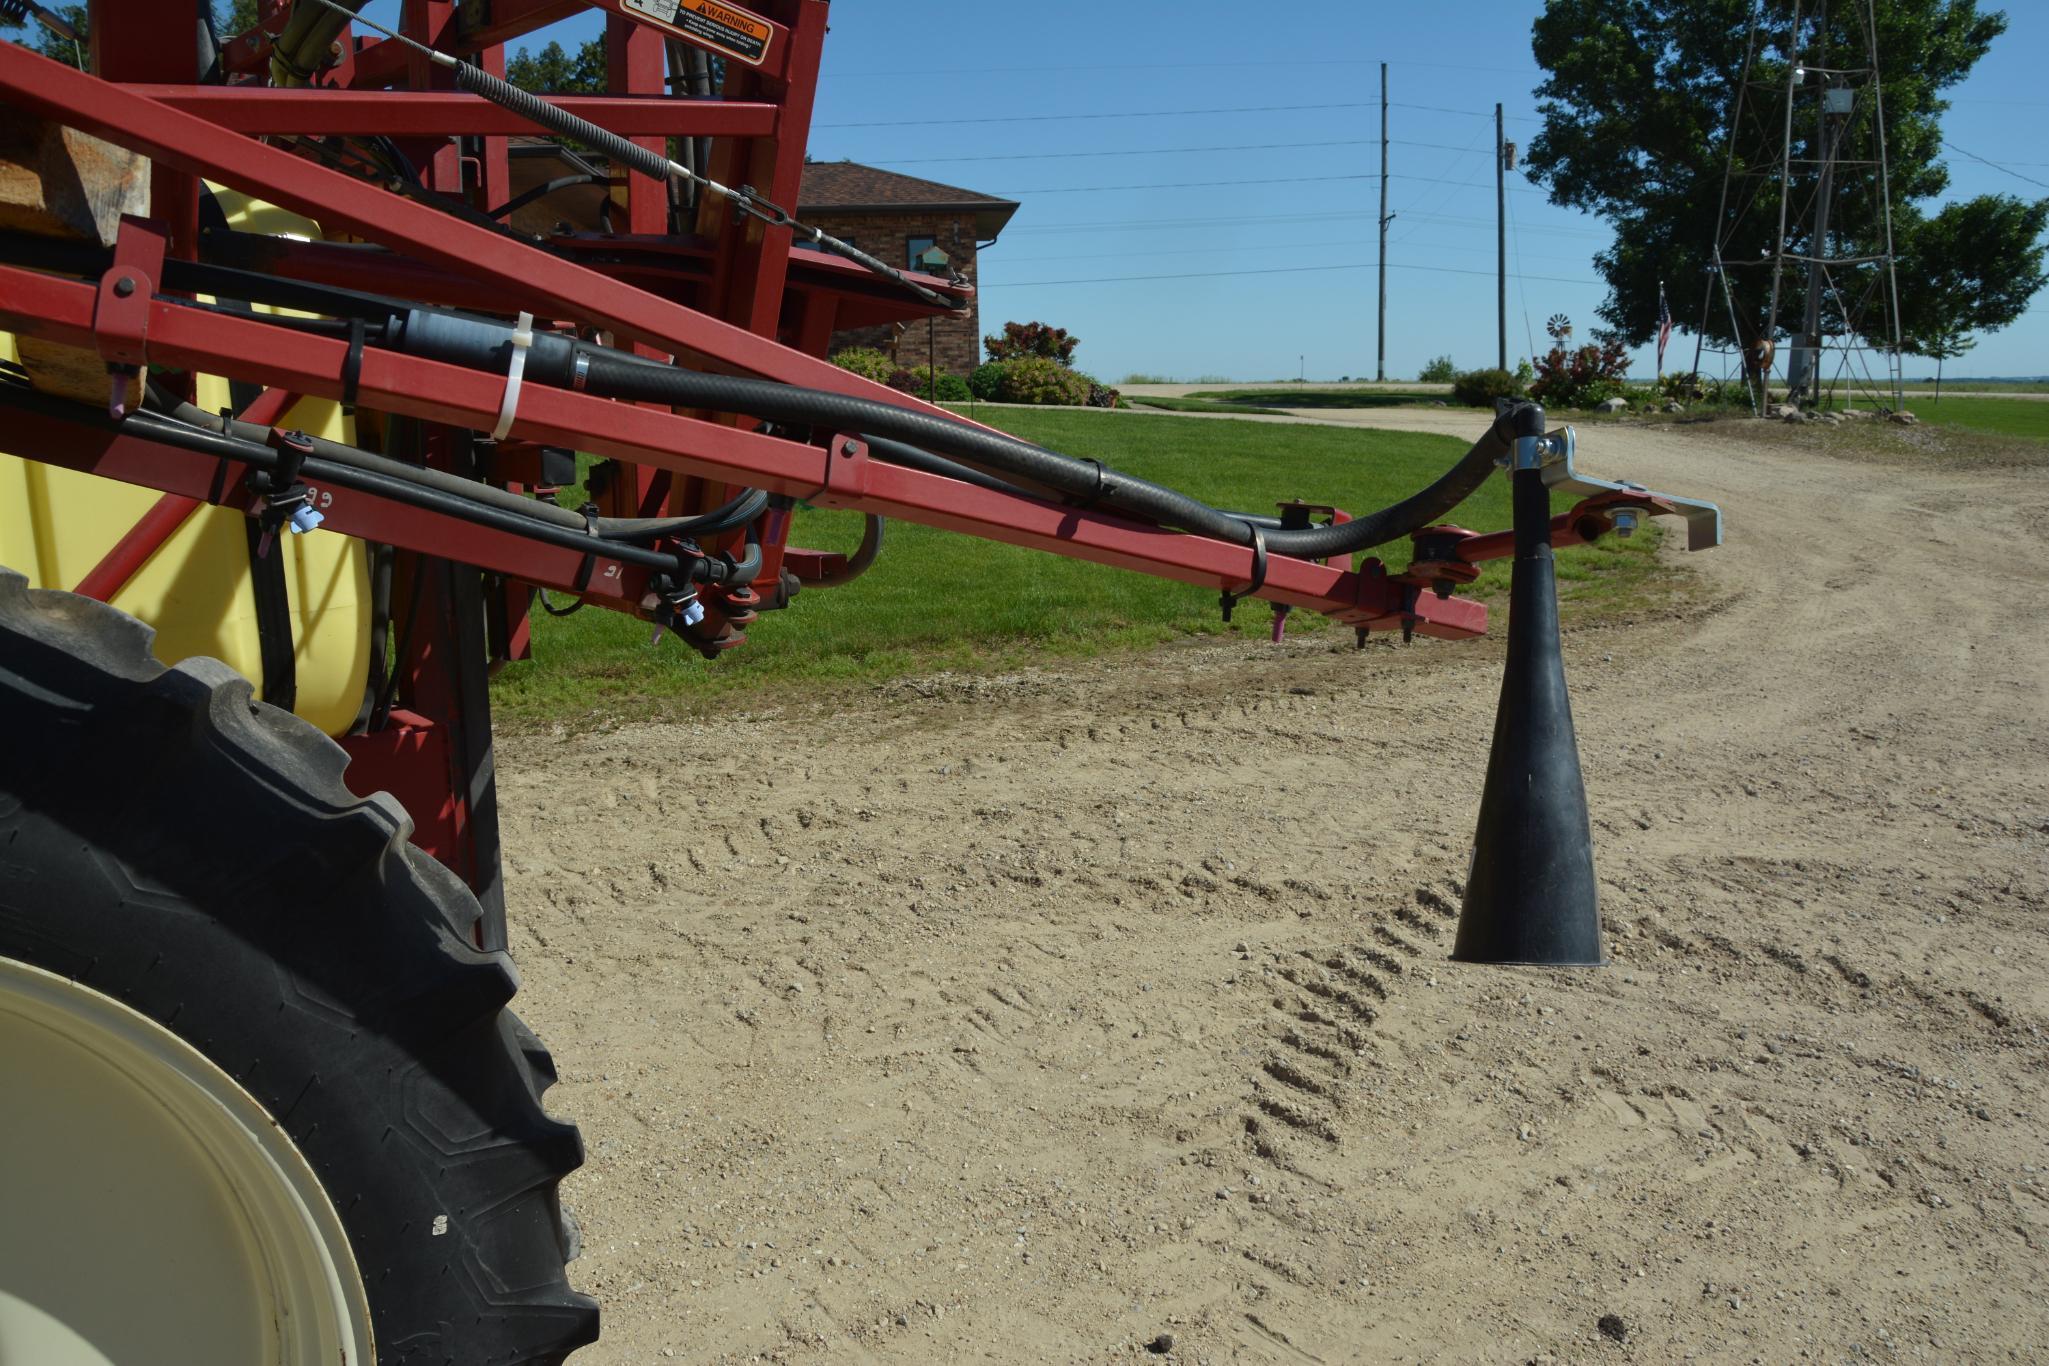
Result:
{"points": [[1664, 327]]}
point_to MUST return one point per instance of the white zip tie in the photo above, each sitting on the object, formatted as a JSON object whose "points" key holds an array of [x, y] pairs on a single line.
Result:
{"points": [[522, 338]]}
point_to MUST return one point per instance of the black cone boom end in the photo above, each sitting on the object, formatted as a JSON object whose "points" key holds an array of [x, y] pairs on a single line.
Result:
{"points": [[1531, 897]]}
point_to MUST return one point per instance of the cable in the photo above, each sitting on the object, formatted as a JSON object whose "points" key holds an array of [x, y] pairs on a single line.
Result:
{"points": [[1127, 114], [1190, 185], [1154, 151], [1998, 166], [987, 283]]}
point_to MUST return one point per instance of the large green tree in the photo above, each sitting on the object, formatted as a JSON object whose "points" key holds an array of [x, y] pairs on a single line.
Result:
{"points": [[1637, 108], [554, 71]]}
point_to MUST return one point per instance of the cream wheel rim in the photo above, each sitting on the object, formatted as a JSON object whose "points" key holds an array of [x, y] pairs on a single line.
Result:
{"points": [[155, 1211]]}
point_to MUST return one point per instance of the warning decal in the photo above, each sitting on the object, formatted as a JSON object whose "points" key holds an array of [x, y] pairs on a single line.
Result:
{"points": [[722, 28]]}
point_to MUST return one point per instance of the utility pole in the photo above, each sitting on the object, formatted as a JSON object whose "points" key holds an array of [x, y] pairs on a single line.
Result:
{"points": [[1501, 237], [1380, 360]]}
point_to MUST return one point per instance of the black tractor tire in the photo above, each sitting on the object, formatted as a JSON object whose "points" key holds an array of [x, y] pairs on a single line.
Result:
{"points": [[193, 854]]}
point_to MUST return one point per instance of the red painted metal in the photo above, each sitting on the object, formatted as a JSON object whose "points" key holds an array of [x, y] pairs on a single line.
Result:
{"points": [[436, 113], [729, 296], [133, 550], [243, 348], [165, 516]]}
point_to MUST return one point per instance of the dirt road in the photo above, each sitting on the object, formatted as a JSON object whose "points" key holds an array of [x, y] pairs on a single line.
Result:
{"points": [[1102, 1013]]}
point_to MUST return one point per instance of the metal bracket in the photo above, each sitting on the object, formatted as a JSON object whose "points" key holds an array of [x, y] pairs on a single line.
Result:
{"points": [[121, 310], [1554, 454], [846, 472]]}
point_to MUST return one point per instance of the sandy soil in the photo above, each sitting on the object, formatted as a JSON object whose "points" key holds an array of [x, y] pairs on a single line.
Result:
{"points": [[1102, 1012]]}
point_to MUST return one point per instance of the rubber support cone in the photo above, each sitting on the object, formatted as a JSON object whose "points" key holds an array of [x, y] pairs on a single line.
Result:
{"points": [[1531, 896]]}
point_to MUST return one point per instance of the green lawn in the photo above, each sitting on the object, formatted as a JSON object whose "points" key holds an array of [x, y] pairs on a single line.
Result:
{"points": [[1327, 398], [937, 600], [1197, 405], [1995, 416]]}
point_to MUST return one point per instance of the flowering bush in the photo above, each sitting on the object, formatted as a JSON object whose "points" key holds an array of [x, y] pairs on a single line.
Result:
{"points": [[1035, 379], [1102, 395], [1020, 340], [1582, 377], [866, 362]]}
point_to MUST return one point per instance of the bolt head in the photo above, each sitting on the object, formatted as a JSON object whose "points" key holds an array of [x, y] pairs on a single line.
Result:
{"points": [[849, 448], [124, 286]]}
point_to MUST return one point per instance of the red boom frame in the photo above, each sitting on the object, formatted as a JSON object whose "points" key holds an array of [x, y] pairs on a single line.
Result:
{"points": [[726, 296]]}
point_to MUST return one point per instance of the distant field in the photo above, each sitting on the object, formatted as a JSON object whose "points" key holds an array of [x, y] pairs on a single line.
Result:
{"points": [[1197, 405], [941, 601], [1994, 416]]}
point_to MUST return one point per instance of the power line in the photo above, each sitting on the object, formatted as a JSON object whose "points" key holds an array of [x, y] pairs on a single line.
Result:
{"points": [[1188, 185], [1468, 113], [1278, 270], [1124, 114], [1271, 247], [1349, 215], [1997, 166], [1151, 151], [1160, 66]]}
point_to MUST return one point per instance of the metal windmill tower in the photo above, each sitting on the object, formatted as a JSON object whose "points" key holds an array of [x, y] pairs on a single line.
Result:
{"points": [[1808, 174]]}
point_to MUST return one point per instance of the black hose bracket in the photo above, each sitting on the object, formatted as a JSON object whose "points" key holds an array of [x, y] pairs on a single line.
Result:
{"points": [[1228, 599]]}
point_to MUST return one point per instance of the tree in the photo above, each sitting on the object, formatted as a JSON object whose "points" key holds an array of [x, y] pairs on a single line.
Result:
{"points": [[1438, 371], [553, 71], [1636, 108], [1963, 275], [1032, 339], [49, 44]]}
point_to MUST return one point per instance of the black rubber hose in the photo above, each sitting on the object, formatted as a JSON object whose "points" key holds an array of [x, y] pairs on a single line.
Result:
{"points": [[1034, 465], [322, 471], [736, 513], [542, 191], [918, 458]]}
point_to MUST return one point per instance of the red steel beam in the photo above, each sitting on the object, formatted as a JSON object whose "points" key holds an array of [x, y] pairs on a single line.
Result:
{"points": [[242, 347], [530, 278], [188, 478], [438, 113]]}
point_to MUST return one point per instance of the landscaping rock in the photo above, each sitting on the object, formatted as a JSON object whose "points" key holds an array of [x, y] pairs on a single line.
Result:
{"points": [[1674, 406], [1611, 405], [1904, 418]]}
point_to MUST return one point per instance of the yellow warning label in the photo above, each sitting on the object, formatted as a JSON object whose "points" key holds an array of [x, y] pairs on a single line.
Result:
{"points": [[721, 28]]}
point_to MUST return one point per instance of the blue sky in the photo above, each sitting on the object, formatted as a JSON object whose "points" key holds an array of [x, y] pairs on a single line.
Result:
{"points": [[1298, 199]]}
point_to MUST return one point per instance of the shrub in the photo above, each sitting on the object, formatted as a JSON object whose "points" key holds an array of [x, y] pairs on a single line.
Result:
{"points": [[918, 380], [866, 362], [1102, 396], [1683, 385], [1141, 377], [1035, 379], [1479, 388], [1020, 340], [984, 379], [1439, 371], [902, 378], [1578, 378]]}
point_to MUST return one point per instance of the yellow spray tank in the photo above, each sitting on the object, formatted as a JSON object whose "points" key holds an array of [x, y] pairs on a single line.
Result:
{"points": [[197, 589]]}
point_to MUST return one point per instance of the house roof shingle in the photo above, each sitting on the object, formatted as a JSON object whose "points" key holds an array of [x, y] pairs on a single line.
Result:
{"points": [[849, 187]]}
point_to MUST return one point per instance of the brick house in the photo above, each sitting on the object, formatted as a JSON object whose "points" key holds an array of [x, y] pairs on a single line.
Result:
{"points": [[895, 218]]}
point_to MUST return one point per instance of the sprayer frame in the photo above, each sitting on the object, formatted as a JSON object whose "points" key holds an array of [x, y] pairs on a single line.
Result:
{"points": [[727, 297]]}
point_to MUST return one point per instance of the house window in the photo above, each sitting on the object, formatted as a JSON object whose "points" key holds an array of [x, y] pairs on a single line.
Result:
{"points": [[916, 247]]}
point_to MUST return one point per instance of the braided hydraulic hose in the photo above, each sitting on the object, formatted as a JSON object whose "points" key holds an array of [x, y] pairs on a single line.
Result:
{"points": [[1009, 457]]}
